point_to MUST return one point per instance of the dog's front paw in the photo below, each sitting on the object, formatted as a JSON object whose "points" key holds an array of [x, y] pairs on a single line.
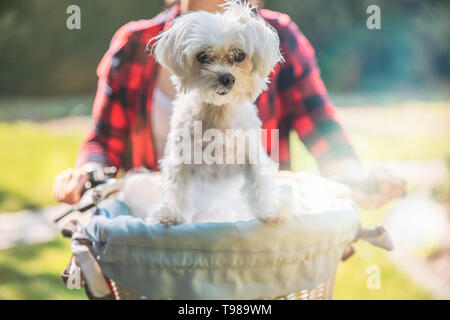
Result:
{"points": [[281, 213], [172, 220], [274, 220], [162, 213], [169, 217], [274, 217]]}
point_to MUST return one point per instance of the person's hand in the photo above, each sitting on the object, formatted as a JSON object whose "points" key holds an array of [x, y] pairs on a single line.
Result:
{"points": [[380, 187], [69, 184]]}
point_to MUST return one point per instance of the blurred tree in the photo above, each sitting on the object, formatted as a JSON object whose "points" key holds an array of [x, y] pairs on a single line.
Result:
{"points": [[40, 56]]}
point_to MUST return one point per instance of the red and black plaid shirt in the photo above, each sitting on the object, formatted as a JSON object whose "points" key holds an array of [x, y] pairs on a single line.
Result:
{"points": [[296, 98]]}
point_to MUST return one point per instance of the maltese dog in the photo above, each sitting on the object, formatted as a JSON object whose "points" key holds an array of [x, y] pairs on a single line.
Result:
{"points": [[220, 63]]}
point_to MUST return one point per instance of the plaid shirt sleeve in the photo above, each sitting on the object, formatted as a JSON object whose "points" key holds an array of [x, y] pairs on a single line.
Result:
{"points": [[108, 138], [303, 92]]}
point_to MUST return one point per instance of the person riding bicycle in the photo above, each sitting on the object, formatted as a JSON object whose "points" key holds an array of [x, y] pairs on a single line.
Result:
{"points": [[133, 104]]}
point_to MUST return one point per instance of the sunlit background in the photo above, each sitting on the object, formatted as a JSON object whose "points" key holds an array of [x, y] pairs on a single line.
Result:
{"points": [[390, 86]]}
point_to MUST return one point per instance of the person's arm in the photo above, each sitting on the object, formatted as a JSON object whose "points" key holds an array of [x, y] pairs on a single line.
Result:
{"points": [[304, 94], [106, 142], [314, 119]]}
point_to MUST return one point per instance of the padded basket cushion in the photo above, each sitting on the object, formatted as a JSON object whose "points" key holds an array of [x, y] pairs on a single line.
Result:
{"points": [[230, 260]]}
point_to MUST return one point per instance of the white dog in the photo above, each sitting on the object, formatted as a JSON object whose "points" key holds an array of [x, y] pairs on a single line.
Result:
{"points": [[220, 64]]}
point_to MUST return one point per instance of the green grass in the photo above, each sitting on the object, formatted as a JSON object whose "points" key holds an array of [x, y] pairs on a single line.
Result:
{"points": [[352, 278], [43, 109], [396, 133], [403, 134], [33, 154], [352, 275], [31, 157], [33, 272]]}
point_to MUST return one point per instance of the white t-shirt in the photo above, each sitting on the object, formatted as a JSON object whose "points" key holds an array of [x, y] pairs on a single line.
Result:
{"points": [[160, 120]]}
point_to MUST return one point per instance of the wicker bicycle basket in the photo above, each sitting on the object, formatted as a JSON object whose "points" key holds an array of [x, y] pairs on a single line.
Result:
{"points": [[307, 263], [324, 291]]}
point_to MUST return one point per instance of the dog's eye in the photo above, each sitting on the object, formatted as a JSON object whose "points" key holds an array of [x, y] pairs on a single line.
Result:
{"points": [[202, 57], [239, 56]]}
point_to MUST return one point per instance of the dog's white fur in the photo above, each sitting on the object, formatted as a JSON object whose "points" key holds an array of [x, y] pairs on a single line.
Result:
{"points": [[201, 97]]}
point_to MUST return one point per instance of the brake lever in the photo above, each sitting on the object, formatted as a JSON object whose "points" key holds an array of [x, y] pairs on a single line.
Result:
{"points": [[81, 206], [96, 177]]}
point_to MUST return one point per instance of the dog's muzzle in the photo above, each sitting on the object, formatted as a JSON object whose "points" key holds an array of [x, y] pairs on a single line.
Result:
{"points": [[226, 81]]}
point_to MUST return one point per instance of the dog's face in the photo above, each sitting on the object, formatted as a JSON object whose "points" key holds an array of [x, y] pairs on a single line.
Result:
{"points": [[226, 57]]}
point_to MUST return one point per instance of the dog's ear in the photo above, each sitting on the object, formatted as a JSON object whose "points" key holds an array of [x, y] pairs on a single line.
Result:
{"points": [[261, 38], [266, 47], [169, 49]]}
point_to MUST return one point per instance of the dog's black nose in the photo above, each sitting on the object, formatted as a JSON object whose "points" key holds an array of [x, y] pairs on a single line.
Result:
{"points": [[227, 80]]}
